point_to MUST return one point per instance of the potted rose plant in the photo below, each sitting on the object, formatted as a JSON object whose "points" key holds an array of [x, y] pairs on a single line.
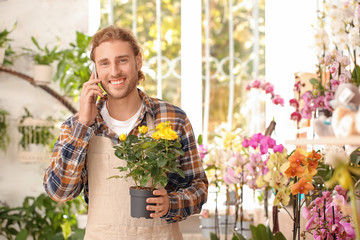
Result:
{"points": [[148, 161], [43, 58]]}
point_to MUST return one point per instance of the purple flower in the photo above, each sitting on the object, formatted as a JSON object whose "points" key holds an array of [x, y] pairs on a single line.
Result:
{"points": [[277, 100], [269, 88], [229, 176], [306, 112], [295, 116], [256, 83], [307, 96], [264, 149], [245, 143], [203, 150], [257, 137], [278, 148], [319, 102], [297, 86], [294, 103]]}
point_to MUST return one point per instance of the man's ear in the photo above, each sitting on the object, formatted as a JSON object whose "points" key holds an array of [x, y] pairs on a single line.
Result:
{"points": [[139, 61]]}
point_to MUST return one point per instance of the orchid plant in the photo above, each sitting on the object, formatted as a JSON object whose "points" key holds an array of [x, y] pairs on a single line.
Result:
{"points": [[336, 42], [329, 216], [268, 88]]}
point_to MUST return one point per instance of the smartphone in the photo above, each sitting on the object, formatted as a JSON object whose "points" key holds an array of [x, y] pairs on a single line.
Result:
{"points": [[93, 70]]}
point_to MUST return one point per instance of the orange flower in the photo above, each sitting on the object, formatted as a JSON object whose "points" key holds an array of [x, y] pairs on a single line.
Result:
{"points": [[313, 159], [297, 157], [294, 170], [302, 186]]}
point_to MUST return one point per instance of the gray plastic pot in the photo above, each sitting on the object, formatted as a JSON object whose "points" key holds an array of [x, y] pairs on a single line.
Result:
{"points": [[138, 202]]}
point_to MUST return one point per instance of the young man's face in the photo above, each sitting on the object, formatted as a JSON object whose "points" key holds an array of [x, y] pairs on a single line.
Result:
{"points": [[117, 67]]}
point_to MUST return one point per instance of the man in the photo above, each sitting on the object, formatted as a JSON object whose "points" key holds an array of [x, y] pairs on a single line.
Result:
{"points": [[83, 156]]}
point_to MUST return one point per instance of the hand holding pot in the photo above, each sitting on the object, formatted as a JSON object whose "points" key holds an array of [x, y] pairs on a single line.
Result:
{"points": [[162, 203]]}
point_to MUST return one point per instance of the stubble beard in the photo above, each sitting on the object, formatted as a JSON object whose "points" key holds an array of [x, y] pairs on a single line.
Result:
{"points": [[123, 92]]}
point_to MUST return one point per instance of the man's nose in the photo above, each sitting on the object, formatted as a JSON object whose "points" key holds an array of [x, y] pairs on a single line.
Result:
{"points": [[115, 69]]}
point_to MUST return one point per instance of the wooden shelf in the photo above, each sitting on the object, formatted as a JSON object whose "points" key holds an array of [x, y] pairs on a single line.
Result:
{"points": [[352, 140]]}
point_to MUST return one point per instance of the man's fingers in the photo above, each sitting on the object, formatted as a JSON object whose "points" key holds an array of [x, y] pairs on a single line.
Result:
{"points": [[155, 200], [92, 81]]}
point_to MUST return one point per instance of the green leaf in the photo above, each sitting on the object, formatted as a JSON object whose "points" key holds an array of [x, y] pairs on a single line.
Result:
{"points": [[180, 172], [144, 181], [66, 230], [22, 235], [161, 162], [200, 139], [238, 236], [213, 236], [145, 145], [259, 232], [279, 236]]}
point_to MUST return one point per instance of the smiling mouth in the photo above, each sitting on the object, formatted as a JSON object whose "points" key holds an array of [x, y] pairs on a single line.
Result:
{"points": [[117, 81]]}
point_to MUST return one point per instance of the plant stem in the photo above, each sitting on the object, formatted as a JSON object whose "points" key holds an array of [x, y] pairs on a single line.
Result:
{"points": [[353, 205]]}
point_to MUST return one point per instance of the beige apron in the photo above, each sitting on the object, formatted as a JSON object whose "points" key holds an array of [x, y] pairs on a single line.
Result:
{"points": [[109, 200]]}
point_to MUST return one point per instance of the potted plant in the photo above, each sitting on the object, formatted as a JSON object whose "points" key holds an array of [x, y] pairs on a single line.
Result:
{"points": [[43, 57], [73, 67], [4, 137], [36, 134], [148, 160], [3, 42]]}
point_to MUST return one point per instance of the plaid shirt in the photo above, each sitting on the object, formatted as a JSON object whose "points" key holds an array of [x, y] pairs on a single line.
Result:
{"points": [[67, 176]]}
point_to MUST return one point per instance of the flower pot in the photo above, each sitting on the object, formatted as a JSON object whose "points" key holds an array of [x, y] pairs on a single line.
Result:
{"points": [[42, 74], [2, 55], [138, 202]]}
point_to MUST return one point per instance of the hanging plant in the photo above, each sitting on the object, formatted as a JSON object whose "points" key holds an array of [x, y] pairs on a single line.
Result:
{"points": [[4, 137], [35, 134]]}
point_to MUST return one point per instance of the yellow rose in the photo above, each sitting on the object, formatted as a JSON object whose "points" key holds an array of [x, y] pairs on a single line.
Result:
{"points": [[156, 135], [122, 137], [168, 134], [163, 125], [143, 129]]}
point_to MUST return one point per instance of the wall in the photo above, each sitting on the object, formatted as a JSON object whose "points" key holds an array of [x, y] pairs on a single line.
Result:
{"points": [[45, 20], [289, 49]]}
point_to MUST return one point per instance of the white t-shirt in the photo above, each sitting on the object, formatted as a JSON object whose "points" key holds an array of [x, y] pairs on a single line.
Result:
{"points": [[117, 126]]}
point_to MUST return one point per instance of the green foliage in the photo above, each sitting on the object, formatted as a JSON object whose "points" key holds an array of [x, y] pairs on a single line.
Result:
{"points": [[73, 67], [4, 137], [42, 55], [260, 232], [35, 134], [149, 160], [4, 39], [41, 218], [9, 55]]}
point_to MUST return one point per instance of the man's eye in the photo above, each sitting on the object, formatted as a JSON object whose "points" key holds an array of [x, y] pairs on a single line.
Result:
{"points": [[123, 60], [103, 63]]}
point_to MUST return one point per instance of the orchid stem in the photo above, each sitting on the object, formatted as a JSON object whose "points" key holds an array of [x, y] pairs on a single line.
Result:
{"points": [[353, 205]]}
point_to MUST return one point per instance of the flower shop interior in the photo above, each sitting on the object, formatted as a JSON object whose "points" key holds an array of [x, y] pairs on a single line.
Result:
{"points": [[271, 89]]}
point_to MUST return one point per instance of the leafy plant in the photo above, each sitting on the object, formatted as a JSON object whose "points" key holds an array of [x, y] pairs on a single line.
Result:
{"points": [[4, 137], [260, 232], [73, 67], [41, 218], [43, 55], [4, 39], [9, 55], [149, 159], [35, 134]]}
